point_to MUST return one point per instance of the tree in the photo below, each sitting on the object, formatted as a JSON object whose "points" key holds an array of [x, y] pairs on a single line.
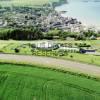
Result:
{"points": [[89, 33], [63, 35], [52, 34], [17, 50], [21, 34]]}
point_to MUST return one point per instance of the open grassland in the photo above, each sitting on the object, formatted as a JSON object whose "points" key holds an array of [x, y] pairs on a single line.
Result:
{"points": [[33, 3], [19, 82], [90, 59], [9, 46]]}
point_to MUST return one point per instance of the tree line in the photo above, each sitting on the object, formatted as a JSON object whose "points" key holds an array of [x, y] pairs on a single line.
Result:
{"points": [[37, 34], [21, 34]]}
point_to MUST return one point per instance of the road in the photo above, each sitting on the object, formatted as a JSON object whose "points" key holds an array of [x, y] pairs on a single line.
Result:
{"points": [[53, 62]]}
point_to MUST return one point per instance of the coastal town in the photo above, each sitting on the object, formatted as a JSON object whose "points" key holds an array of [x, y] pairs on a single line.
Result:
{"points": [[46, 18]]}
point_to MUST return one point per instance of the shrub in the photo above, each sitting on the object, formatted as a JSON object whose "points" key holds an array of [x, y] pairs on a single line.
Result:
{"points": [[17, 50], [71, 56]]}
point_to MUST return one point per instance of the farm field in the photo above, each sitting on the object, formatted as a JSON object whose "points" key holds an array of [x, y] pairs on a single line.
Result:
{"points": [[20, 82], [8, 47]]}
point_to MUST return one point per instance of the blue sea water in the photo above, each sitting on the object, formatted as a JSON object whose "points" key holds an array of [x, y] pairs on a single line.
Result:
{"points": [[86, 11]]}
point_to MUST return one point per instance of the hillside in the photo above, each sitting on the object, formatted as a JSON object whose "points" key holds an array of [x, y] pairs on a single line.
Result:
{"points": [[25, 2]]}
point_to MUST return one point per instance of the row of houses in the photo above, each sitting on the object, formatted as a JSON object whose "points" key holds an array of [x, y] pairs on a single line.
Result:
{"points": [[3, 22]]}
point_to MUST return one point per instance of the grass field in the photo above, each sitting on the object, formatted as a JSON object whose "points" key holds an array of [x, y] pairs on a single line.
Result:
{"points": [[18, 82], [90, 59], [26, 2]]}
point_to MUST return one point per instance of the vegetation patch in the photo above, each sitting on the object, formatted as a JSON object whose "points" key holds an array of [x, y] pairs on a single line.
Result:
{"points": [[26, 83]]}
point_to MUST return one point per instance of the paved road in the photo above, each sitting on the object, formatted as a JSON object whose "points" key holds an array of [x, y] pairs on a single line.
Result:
{"points": [[53, 62]]}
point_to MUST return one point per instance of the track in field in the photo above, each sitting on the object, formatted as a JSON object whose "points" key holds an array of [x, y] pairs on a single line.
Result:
{"points": [[16, 86]]}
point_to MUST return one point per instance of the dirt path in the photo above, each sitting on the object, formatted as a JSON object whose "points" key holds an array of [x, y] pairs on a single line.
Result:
{"points": [[53, 62]]}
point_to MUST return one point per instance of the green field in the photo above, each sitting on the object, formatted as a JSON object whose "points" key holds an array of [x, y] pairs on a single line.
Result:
{"points": [[90, 59], [18, 82], [26, 2]]}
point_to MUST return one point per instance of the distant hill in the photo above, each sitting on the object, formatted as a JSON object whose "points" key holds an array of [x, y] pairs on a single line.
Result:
{"points": [[25, 2]]}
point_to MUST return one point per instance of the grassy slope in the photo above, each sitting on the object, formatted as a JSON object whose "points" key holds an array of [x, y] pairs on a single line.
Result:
{"points": [[31, 83], [26, 2]]}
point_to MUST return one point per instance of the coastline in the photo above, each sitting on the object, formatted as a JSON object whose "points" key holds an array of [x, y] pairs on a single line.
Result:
{"points": [[87, 23]]}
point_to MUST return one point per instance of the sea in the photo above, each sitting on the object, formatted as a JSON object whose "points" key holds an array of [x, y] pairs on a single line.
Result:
{"points": [[86, 11]]}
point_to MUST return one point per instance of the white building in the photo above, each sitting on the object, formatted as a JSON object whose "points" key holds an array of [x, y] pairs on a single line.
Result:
{"points": [[69, 49], [45, 44]]}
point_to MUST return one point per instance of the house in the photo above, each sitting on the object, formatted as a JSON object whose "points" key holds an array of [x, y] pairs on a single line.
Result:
{"points": [[98, 38], [70, 39], [68, 49], [2, 11], [47, 45], [87, 50], [93, 37], [1, 22]]}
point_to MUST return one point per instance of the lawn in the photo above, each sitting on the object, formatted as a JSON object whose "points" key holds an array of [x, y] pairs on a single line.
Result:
{"points": [[19, 82]]}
